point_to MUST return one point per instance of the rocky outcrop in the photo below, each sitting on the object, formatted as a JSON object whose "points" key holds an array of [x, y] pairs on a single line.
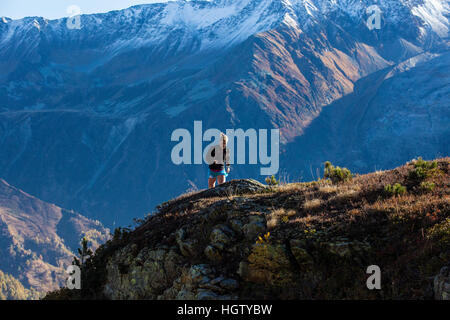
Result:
{"points": [[200, 247], [442, 284], [201, 282], [161, 274], [227, 189], [141, 275], [165, 272]]}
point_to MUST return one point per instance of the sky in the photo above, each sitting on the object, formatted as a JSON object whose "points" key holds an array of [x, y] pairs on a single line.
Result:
{"points": [[54, 9]]}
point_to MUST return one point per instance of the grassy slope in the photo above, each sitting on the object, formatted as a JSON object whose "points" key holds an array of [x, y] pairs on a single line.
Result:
{"points": [[322, 237]]}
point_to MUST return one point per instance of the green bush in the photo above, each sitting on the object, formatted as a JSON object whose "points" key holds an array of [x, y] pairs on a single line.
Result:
{"points": [[441, 232], [422, 169], [395, 190], [336, 174], [427, 186], [272, 181]]}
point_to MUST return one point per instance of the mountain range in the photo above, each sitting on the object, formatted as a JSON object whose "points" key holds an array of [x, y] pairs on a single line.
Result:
{"points": [[86, 114]]}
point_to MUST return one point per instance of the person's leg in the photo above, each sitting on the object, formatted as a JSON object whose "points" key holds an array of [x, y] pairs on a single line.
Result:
{"points": [[221, 179], [211, 182]]}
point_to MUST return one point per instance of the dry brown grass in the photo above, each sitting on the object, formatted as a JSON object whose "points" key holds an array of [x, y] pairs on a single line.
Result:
{"points": [[328, 188], [312, 204], [347, 193], [278, 216]]}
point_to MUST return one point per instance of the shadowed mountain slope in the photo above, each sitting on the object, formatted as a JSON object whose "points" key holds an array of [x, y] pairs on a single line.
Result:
{"points": [[37, 239]]}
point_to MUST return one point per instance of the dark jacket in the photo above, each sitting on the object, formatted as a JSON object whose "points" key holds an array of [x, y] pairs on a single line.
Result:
{"points": [[219, 165]]}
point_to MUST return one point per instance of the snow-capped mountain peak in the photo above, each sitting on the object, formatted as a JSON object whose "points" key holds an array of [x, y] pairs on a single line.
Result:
{"points": [[220, 23]]}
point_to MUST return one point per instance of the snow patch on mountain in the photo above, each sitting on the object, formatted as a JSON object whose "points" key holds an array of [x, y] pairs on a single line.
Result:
{"points": [[290, 21], [433, 13], [37, 25], [192, 15]]}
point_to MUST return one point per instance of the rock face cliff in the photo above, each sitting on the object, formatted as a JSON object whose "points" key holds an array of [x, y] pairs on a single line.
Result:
{"points": [[442, 284], [246, 240]]}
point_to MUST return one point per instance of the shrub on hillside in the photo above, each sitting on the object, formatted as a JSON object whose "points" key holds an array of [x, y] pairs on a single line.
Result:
{"points": [[336, 174], [272, 181], [422, 169], [426, 186], [395, 190]]}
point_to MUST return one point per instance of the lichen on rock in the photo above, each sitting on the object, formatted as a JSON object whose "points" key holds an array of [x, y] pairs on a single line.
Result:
{"points": [[143, 276]]}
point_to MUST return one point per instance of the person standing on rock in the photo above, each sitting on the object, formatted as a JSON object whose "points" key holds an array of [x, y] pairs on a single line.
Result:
{"points": [[219, 164]]}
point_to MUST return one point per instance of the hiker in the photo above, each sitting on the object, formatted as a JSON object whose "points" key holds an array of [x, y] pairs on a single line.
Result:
{"points": [[219, 166]]}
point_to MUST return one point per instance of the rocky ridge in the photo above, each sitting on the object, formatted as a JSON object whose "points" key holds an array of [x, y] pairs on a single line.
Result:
{"points": [[296, 241]]}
